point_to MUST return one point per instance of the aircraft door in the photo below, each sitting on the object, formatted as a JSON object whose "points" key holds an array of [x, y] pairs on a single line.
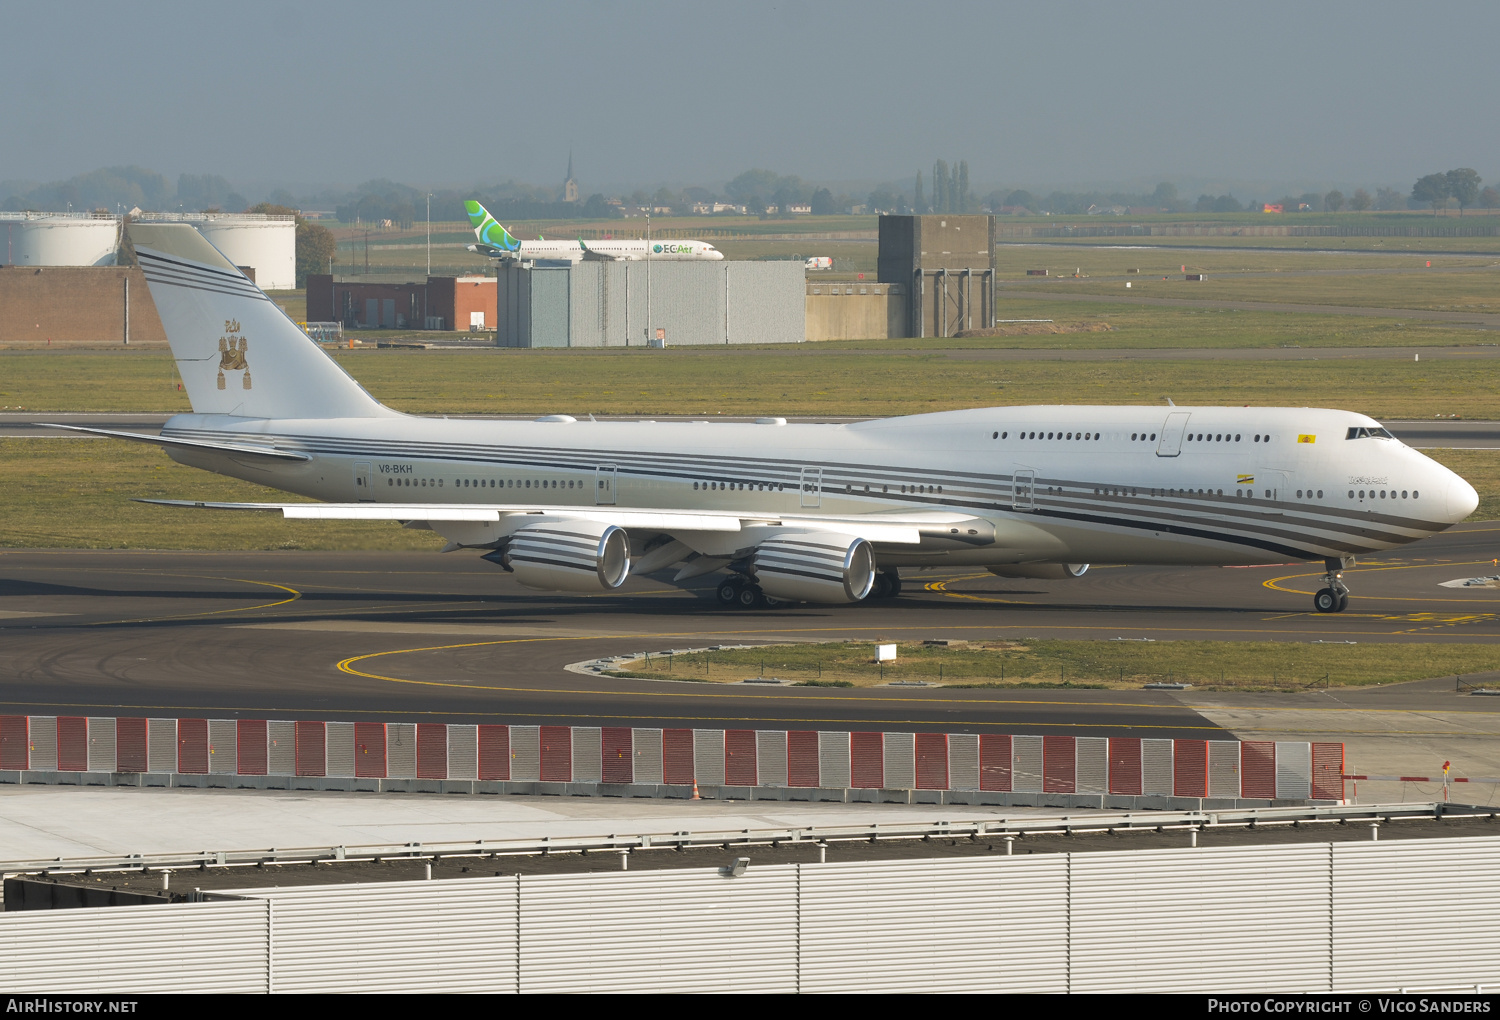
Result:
{"points": [[606, 480], [363, 490], [1023, 490], [1170, 444], [812, 486]]}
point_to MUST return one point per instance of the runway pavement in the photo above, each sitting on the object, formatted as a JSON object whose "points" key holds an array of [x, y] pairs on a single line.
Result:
{"points": [[424, 635]]}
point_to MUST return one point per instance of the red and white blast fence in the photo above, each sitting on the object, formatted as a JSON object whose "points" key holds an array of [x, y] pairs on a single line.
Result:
{"points": [[646, 756]]}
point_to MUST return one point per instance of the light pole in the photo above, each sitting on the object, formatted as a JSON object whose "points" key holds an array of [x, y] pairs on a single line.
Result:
{"points": [[429, 233], [648, 277]]}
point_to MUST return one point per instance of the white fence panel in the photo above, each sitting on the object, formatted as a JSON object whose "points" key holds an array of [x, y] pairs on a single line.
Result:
{"points": [[900, 761], [463, 751], [223, 747], [987, 925], [338, 746], [453, 936], [1293, 770], [588, 750], [833, 758], [1422, 914], [660, 931], [646, 741], [525, 754], [179, 947], [963, 761], [1215, 920], [770, 757], [708, 757], [1026, 764], [43, 735], [1091, 759], [1156, 768], [102, 744]]}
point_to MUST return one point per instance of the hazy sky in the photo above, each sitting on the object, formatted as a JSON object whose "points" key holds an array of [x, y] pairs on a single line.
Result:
{"points": [[1030, 93]]}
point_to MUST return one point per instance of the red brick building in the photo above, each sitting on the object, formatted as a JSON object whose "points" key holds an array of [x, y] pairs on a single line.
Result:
{"points": [[441, 303]]}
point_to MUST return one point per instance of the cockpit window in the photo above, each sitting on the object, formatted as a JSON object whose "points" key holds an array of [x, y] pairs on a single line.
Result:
{"points": [[1364, 433]]}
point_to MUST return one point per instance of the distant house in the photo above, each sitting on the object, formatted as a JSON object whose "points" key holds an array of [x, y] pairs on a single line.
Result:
{"points": [[798, 209], [1106, 210], [1014, 210]]}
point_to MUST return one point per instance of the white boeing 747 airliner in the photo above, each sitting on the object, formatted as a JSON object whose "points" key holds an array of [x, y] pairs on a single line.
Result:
{"points": [[815, 513]]}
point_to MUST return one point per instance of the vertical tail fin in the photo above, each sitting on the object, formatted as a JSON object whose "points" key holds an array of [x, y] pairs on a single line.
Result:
{"points": [[487, 230], [235, 349]]}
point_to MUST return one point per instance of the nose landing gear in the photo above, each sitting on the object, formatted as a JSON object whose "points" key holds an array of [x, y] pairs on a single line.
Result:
{"points": [[1335, 597]]}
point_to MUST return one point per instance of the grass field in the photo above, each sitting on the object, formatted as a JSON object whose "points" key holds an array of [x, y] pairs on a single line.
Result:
{"points": [[1008, 661], [807, 381], [1464, 290]]}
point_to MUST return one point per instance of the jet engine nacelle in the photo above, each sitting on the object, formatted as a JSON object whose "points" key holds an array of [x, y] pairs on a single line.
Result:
{"points": [[815, 567], [570, 556], [1042, 571]]}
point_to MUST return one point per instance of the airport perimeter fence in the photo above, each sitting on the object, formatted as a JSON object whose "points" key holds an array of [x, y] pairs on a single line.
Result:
{"points": [[1420, 915], [944, 768]]}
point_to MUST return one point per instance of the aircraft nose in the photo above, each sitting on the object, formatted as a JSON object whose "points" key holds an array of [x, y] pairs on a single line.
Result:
{"points": [[1462, 499]]}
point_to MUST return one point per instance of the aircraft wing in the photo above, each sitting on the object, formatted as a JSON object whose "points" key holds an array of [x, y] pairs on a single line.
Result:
{"points": [[885, 529], [238, 449]]}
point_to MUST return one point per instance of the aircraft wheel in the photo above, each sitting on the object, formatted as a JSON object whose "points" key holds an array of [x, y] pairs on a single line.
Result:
{"points": [[728, 593], [749, 597], [1343, 601], [881, 589], [1326, 601], [772, 602]]}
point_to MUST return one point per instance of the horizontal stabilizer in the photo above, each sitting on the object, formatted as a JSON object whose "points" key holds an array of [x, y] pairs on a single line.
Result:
{"points": [[238, 449]]}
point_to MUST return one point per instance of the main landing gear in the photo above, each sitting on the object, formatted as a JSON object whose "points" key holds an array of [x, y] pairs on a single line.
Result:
{"points": [[1335, 597], [740, 592]]}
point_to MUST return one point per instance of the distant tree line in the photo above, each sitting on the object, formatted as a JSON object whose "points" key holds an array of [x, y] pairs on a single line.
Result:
{"points": [[1460, 187]]}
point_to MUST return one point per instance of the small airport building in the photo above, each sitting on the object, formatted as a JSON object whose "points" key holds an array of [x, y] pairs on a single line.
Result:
{"points": [[461, 303]]}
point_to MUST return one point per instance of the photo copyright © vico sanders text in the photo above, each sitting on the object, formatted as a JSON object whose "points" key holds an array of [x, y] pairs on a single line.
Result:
{"points": [[1302, 1005]]}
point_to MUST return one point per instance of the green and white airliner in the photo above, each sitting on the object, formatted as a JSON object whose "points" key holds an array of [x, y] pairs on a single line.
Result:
{"points": [[497, 242]]}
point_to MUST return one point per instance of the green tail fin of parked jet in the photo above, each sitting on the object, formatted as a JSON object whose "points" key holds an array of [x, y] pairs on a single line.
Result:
{"points": [[487, 230]]}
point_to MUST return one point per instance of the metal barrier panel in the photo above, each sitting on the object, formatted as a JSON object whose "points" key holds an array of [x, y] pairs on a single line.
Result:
{"points": [[432, 750], [72, 743], [679, 757], [802, 770], [1190, 919], [1059, 765], [1327, 771], [463, 751], [250, 745], [833, 759], [1125, 766], [646, 756], [994, 762], [770, 758], [161, 745], [739, 758], [15, 749], [494, 752], [406, 937], [1156, 767], [340, 736], [647, 931], [281, 747], [1258, 769], [867, 761], [1026, 764], [204, 948], [708, 757], [102, 744], [900, 761], [1092, 775], [401, 750], [192, 747], [369, 750], [587, 767], [871, 927], [1190, 768], [43, 745], [525, 754], [1224, 768], [221, 747], [1418, 914], [557, 754], [1293, 770], [312, 749], [931, 753], [617, 748], [130, 745]]}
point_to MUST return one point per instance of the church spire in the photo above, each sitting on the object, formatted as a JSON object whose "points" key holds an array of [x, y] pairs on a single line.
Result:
{"points": [[570, 186]]}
